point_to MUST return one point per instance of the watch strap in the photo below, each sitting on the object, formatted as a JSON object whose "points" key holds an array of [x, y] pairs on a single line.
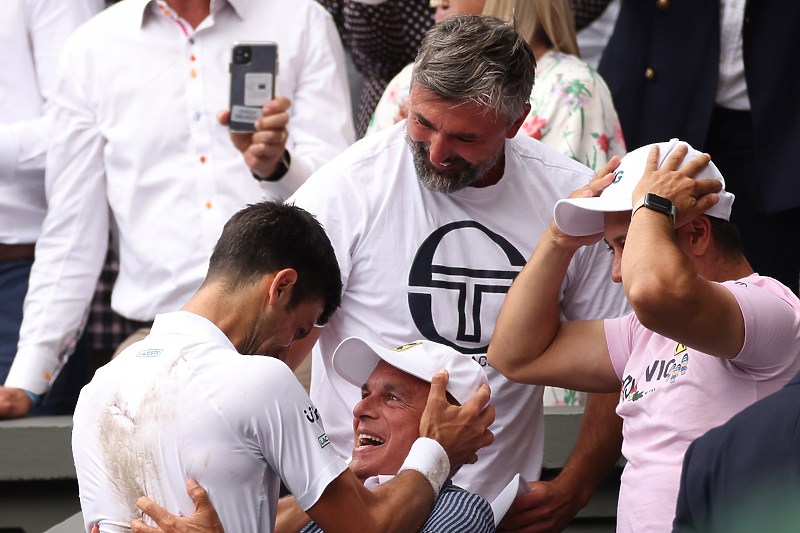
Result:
{"points": [[283, 167], [656, 203]]}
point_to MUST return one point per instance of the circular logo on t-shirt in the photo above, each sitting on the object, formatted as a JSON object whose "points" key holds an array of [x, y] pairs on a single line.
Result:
{"points": [[457, 282]]}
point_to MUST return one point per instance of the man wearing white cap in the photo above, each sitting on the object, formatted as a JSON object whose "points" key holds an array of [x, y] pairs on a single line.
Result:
{"points": [[707, 337], [395, 384]]}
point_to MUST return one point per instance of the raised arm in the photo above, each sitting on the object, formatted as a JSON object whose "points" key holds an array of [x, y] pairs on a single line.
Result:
{"points": [[531, 344], [668, 273]]}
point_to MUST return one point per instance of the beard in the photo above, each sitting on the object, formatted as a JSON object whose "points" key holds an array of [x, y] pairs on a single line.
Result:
{"points": [[447, 181]]}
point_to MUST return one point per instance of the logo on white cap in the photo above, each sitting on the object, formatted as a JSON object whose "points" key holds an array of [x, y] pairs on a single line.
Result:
{"points": [[355, 359], [584, 216]]}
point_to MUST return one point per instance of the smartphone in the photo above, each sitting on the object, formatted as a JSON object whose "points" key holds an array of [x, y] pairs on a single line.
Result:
{"points": [[253, 69]]}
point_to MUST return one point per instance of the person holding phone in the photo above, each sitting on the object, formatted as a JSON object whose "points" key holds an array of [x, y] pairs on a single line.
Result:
{"points": [[137, 147]]}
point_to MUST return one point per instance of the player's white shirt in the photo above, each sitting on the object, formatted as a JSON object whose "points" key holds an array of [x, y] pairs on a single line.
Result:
{"points": [[421, 264], [183, 403]]}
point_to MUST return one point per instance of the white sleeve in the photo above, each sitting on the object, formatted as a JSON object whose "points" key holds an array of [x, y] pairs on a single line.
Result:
{"points": [[74, 240], [23, 144], [320, 117], [294, 442]]}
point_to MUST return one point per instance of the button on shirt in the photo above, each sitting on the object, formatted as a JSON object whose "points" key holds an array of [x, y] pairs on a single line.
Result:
{"points": [[135, 130], [31, 35]]}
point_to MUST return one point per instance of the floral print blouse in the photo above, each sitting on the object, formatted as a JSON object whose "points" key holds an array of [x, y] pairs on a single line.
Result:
{"points": [[571, 110]]}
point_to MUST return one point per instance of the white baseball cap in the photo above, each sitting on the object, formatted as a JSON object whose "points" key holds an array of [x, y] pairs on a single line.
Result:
{"points": [[584, 216], [355, 359]]}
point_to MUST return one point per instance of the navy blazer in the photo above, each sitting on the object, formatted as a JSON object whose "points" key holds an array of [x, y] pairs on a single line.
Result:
{"points": [[661, 65], [745, 474]]}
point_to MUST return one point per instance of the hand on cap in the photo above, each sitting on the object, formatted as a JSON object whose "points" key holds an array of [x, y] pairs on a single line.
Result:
{"points": [[461, 431], [203, 520], [263, 149], [689, 196], [601, 180]]}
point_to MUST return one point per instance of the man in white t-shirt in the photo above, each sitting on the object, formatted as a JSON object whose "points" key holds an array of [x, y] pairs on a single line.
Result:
{"points": [[187, 402], [707, 337], [432, 219]]}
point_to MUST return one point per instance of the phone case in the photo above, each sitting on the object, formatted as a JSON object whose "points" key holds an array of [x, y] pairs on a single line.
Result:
{"points": [[253, 70]]}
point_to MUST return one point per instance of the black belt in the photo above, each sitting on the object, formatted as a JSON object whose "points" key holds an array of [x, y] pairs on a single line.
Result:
{"points": [[16, 252]]}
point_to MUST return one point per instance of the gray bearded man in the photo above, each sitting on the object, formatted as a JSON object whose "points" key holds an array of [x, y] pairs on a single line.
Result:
{"points": [[431, 221]]}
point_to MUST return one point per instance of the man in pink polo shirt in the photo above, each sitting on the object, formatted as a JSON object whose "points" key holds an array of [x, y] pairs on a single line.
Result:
{"points": [[708, 336]]}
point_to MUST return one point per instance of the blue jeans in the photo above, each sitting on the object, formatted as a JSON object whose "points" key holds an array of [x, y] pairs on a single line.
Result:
{"points": [[13, 286]]}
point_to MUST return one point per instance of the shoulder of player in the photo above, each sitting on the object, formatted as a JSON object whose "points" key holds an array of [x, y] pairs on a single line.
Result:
{"points": [[257, 364], [553, 174]]}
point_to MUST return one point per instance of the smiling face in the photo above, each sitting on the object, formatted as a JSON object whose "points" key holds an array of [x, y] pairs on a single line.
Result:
{"points": [[386, 420], [455, 145]]}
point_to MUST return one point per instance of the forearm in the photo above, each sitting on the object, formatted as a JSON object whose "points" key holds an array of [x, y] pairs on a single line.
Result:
{"points": [[395, 513], [533, 299], [22, 148], [596, 450], [290, 517], [653, 266], [400, 505]]}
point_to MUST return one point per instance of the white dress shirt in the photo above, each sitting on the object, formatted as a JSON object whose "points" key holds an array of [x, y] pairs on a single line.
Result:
{"points": [[31, 35], [732, 85], [135, 130]]}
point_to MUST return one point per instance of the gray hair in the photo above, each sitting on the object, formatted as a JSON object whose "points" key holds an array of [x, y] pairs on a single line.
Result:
{"points": [[481, 59]]}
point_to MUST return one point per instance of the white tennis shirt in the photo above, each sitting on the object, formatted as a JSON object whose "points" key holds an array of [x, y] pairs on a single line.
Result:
{"points": [[183, 403]]}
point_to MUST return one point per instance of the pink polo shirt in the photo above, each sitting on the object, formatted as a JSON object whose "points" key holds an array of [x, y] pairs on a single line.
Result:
{"points": [[672, 394]]}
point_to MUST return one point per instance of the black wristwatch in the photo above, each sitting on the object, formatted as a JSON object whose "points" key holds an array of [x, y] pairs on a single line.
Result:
{"points": [[656, 203]]}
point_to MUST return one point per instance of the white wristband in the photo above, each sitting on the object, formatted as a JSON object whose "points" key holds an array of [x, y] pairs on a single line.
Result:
{"points": [[429, 459]]}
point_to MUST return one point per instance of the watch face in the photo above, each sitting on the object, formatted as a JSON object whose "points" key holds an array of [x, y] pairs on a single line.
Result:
{"points": [[653, 200]]}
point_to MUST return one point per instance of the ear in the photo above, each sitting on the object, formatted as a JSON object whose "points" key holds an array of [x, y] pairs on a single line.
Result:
{"points": [[280, 289], [695, 236], [512, 131]]}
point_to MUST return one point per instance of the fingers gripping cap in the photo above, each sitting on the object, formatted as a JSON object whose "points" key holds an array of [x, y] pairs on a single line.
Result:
{"points": [[584, 216], [355, 359]]}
